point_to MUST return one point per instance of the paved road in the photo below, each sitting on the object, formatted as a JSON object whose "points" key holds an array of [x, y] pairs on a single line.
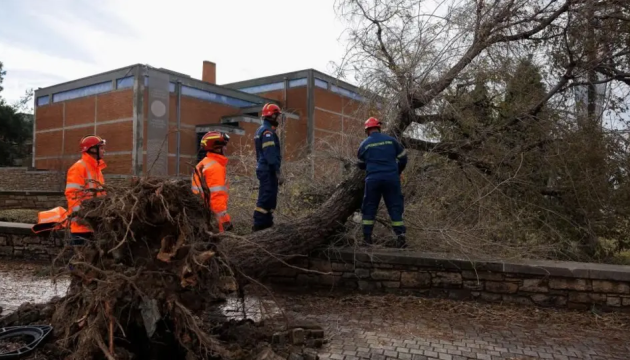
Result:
{"points": [[416, 329]]}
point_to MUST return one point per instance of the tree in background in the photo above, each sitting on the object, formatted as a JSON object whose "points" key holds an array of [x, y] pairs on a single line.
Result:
{"points": [[2, 73], [15, 127]]}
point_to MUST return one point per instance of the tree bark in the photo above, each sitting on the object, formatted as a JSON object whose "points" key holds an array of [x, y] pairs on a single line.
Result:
{"points": [[286, 241]]}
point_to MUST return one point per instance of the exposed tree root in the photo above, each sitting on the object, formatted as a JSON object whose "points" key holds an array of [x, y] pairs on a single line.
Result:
{"points": [[154, 265]]}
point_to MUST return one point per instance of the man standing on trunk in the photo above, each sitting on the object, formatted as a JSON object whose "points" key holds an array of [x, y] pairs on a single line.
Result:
{"points": [[384, 160], [268, 172]]}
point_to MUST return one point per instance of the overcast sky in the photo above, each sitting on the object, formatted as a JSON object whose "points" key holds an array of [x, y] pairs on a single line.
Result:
{"points": [[45, 42]]}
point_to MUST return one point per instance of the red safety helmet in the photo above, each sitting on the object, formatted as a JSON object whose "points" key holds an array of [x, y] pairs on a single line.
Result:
{"points": [[372, 123], [270, 109], [90, 141], [213, 140]]}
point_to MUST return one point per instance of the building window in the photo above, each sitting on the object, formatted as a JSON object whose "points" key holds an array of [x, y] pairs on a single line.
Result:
{"points": [[43, 100], [124, 83], [298, 82], [210, 96], [321, 83], [347, 93], [84, 91], [263, 88]]}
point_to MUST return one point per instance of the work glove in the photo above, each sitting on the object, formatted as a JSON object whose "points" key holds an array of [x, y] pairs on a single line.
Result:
{"points": [[227, 226]]}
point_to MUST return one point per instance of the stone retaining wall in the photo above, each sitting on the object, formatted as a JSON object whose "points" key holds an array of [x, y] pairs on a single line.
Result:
{"points": [[18, 242], [542, 283], [38, 200]]}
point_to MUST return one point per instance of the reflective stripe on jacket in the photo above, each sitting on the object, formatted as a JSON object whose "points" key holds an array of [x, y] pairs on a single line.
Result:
{"points": [[83, 177], [213, 168]]}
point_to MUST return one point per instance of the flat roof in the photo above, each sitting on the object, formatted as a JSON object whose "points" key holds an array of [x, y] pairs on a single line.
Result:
{"points": [[300, 74], [131, 70]]}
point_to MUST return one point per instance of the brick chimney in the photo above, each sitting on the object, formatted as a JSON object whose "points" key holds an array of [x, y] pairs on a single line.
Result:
{"points": [[209, 72]]}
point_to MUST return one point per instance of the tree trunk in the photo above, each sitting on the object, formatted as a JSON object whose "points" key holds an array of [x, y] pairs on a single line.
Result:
{"points": [[299, 237]]}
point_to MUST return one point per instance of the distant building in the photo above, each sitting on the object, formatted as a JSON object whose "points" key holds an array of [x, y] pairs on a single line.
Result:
{"points": [[139, 110]]}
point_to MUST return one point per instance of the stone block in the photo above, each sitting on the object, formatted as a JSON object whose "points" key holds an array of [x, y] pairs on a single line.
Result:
{"points": [[342, 267], [490, 297], [17, 240], [447, 279], [603, 286], [368, 285], [321, 265], [306, 279], [516, 299], [3, 241], [391, 284], [460, 294], [282, 271], [362, 273], [415, 279], [328, 279], [549, 300], [614, 301], [315, 343], [473, 284], [6, 251], [534, 285], [316, 334], [587, 298], [294, 356], [310, 354], [28, 240], [383, 266], [501, 287], [482, 275], [570, 284], [625, 301], [393, 275], [281, 280], [297, 336]]}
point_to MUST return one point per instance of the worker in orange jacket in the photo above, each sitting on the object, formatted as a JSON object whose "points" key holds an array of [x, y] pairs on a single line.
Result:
{"points": [[213, 170], [85, 180]]}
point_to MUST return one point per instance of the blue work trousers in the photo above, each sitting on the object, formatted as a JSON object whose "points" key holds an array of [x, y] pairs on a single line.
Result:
{"points": [[391, 192], [267, 198]]}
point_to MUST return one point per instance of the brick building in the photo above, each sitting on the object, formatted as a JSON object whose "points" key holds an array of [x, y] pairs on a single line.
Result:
{"points": [[153, 118]]}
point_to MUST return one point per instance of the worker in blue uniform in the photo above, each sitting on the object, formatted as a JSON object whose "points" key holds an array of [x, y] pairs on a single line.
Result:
{"points": [[384, 160], [268, 172]]}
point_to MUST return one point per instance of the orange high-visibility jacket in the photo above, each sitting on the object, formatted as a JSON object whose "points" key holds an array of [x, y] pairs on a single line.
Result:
{"points": [[213, 169], [84, 174]]}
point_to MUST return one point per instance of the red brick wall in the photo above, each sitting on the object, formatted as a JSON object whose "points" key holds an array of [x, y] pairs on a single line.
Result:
{"points": [[49, 116], [338, 130], [81, 111], [90, 114], [114, 105]]}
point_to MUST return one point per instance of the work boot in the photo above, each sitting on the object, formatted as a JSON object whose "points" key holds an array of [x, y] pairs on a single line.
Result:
{"points": [[401, 241]]}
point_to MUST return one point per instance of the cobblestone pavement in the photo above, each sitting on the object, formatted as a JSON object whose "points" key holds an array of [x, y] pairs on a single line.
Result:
{"points": [[390, 334]]}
